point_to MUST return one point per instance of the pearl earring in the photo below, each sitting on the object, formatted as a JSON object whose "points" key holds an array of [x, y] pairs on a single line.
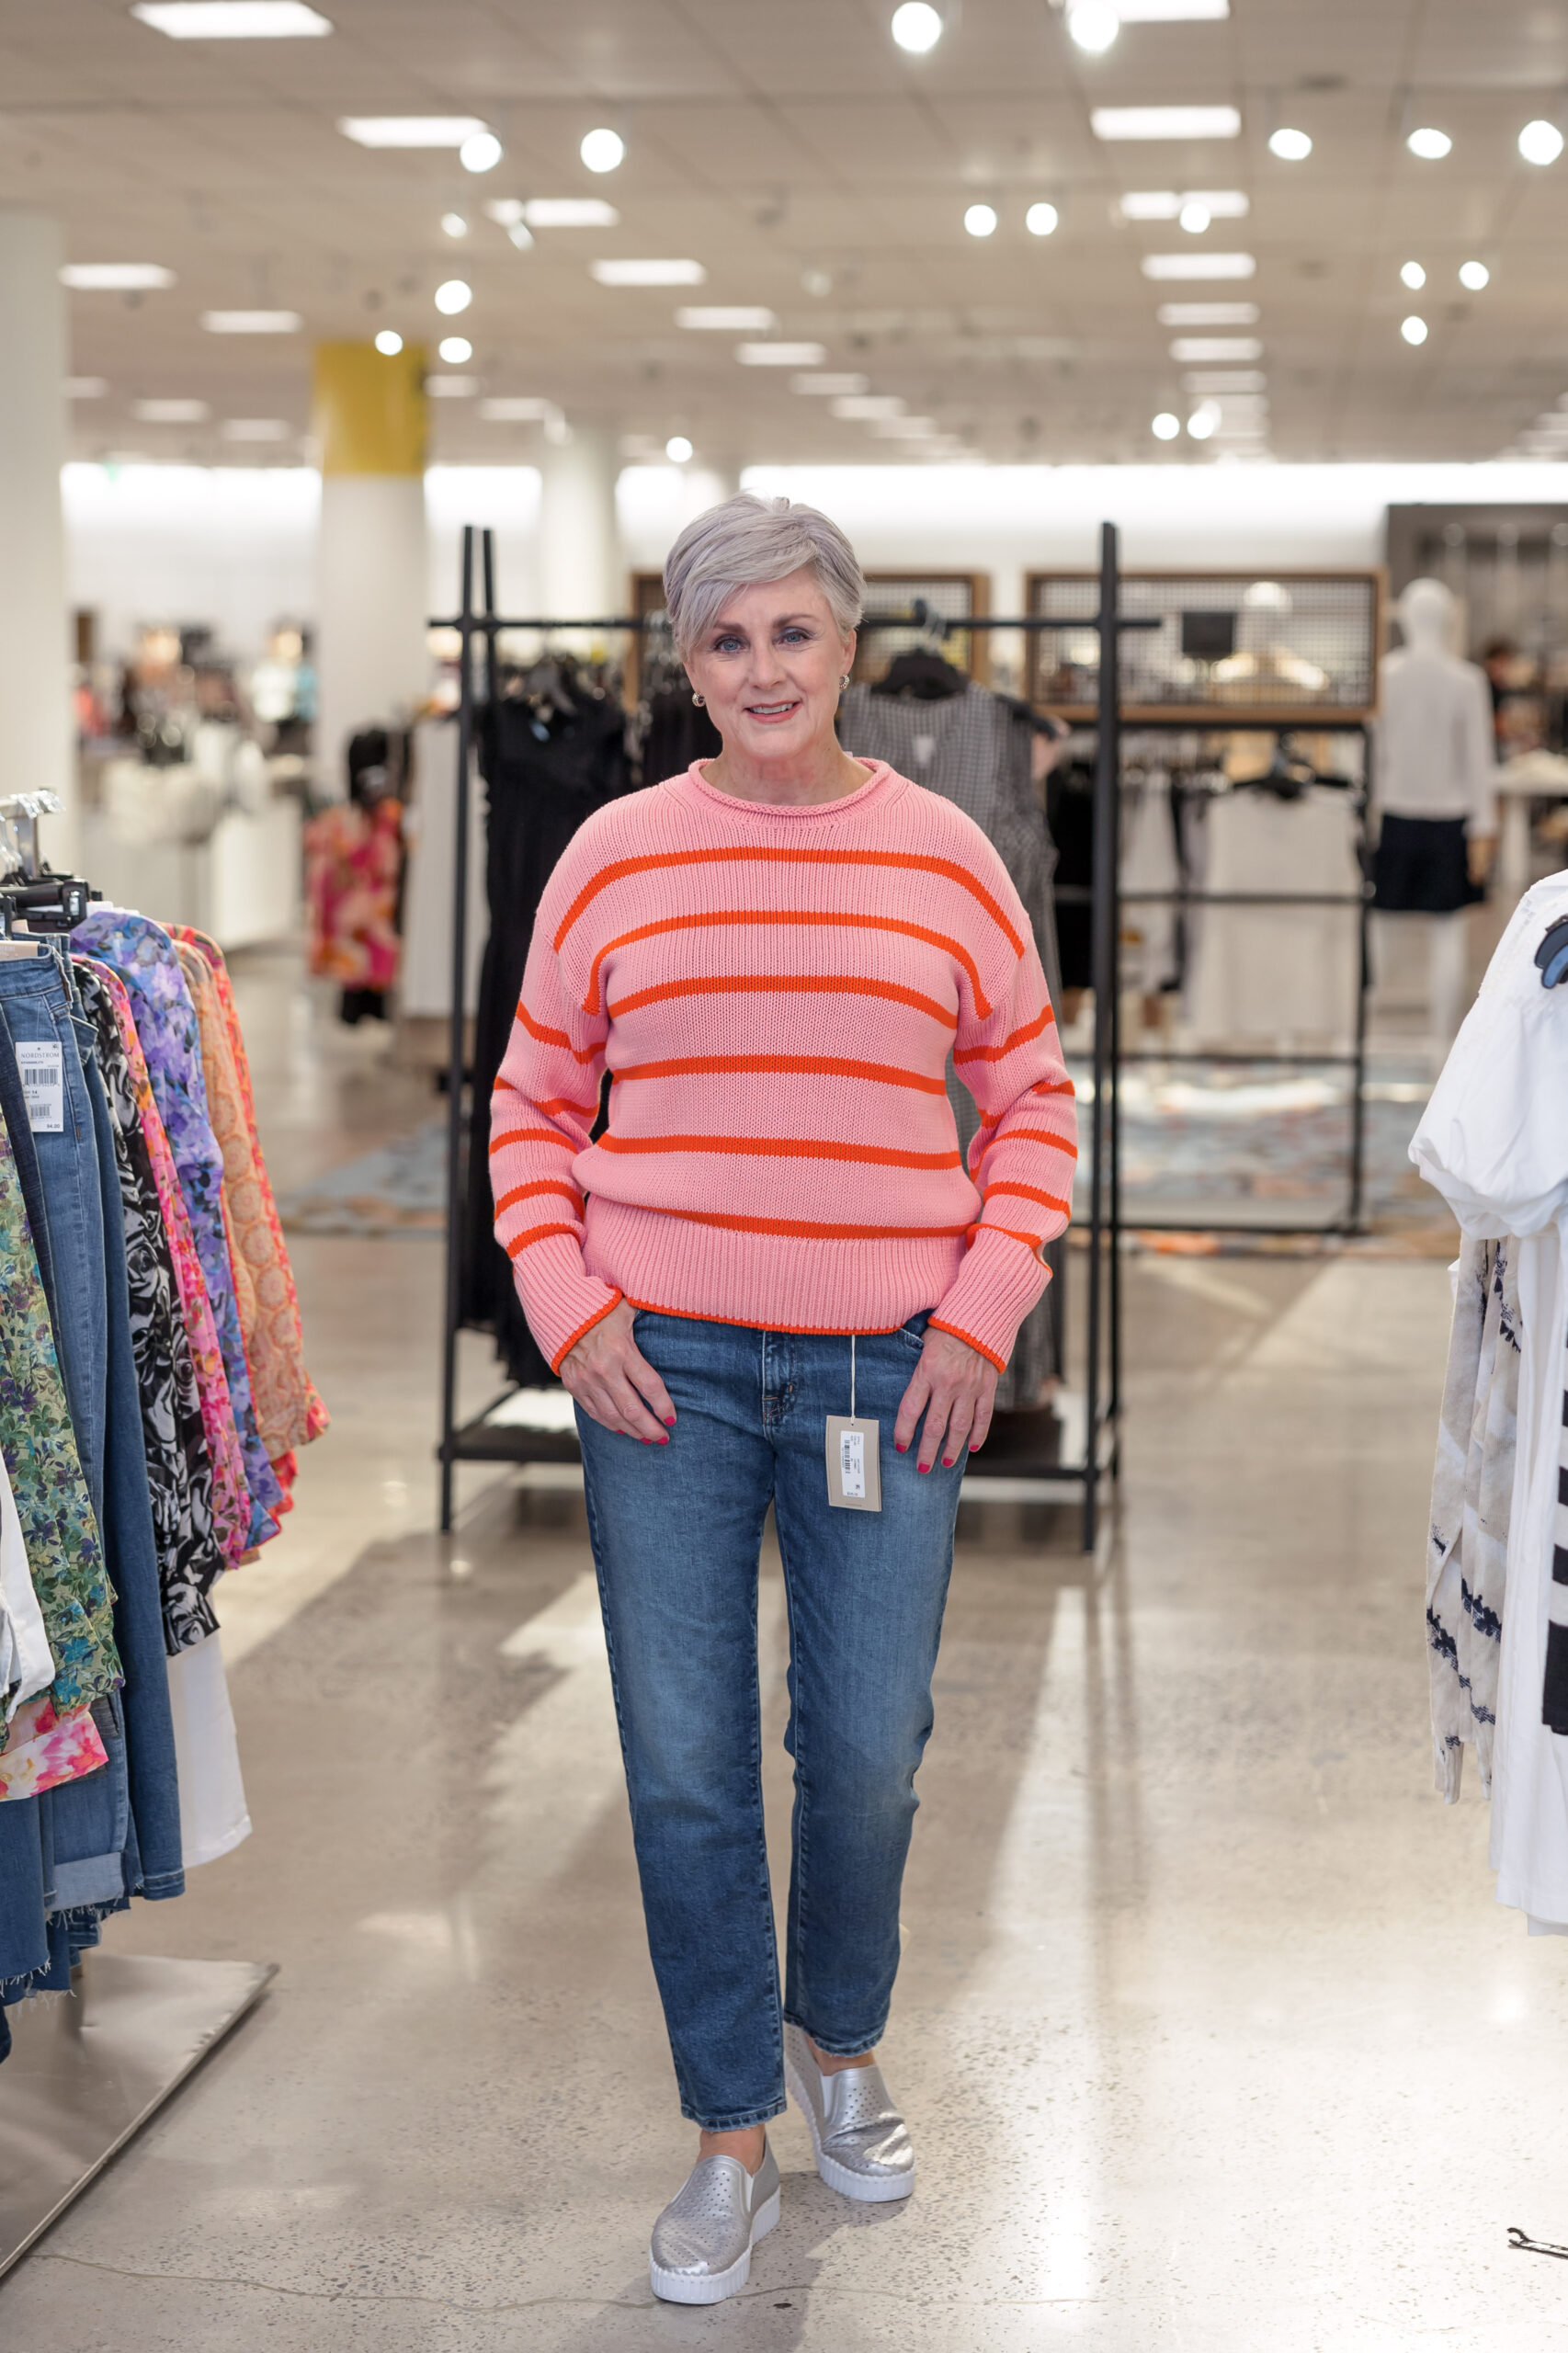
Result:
{"points": [[700, 700], [844, 682]]}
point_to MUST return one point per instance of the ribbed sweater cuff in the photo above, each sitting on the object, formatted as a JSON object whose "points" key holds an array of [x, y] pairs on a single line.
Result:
{"points": [[993, 1291], [560, 1299]]}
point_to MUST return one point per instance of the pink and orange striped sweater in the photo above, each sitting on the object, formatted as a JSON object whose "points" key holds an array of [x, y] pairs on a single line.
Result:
{"points": [[774, 992]]}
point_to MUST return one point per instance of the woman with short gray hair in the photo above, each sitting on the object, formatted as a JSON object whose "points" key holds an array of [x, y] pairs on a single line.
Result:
{"points": [[771, 1262]]}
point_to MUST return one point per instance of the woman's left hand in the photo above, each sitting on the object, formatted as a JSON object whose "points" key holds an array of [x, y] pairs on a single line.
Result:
{"points": [[953, 1386]]}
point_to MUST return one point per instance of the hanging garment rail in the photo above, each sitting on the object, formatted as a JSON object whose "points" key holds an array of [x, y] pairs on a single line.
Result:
{"points": [[1094, 1430]]}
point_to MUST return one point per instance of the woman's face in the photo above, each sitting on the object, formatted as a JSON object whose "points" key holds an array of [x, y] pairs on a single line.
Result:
{"points": [[769, 668]]}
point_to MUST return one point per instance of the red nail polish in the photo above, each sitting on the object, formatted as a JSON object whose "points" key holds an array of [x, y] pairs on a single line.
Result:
{"points": [[901, 1449], [948, 1460], [670, 1422], [664, 1442]]}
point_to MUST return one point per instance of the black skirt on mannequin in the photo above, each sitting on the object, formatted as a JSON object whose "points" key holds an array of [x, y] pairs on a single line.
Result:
{"points": [[1420, 868]]}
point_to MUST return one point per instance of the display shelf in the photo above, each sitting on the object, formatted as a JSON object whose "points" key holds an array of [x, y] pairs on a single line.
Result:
{"points": [[953, 596]]}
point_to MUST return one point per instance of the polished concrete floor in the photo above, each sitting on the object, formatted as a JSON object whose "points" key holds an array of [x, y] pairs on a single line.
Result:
{"points": [[1209, 2029]]}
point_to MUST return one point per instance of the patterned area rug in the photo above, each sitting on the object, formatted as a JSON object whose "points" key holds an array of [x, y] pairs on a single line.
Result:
{"points": [[400, 1188]]}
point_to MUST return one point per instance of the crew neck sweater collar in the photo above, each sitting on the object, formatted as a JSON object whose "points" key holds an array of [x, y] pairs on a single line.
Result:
{"points": [[881, 787]]}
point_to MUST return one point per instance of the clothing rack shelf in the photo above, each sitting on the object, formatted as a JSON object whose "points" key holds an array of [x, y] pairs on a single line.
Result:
{"points": [[86, 2074], [1089, 1429]]}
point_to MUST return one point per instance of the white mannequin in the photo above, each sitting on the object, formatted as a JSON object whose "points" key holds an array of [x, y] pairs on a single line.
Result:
{"points": [[1437, 756]]}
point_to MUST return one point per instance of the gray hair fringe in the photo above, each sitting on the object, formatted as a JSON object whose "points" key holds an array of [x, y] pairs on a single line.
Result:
{"points": [[748, 540]]}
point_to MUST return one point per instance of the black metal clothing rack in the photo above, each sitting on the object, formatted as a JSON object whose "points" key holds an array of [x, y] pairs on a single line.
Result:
{"points": [[484, 1438]]}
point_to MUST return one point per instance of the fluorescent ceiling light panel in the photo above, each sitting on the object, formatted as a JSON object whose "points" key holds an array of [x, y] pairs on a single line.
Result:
{"points": [[865, 408], [1149, 204], [514, 408], [781, 355], [452, 388], [1198, 265], [569, 212], [906, 428], [410, 130], [1229, 380], [171, 412], [252, 322], [507, 209], [1166, 204], [832, 387], [1166, 122], [233, 19], [116, 276], [254, 428], [648, 273], [1172, 12], [1207, 315], [1189, 350], [727, 318]]}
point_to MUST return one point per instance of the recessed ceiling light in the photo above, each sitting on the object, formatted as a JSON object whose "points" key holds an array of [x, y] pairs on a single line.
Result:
{"points": [[452, 388], [979, 219], [727, 318], [1195, 217], [252, 322], [1190, 350], [1541, 142], [1429, 144], [454, 294], [454, 224], [917, 27], [1166, 122], [85, 388], [602, 151], [1410, 274], [570, 212], [1166, 426], [1041, 220], [115, 277], [817, 284], [481, 152], [648, 273], [678, 449], [1094, 26], [1207, 315], [1165, 265], [864, 408], [389, 342], [233, 19], [1203, 422], [455, 349], [780, 354], [410, 130], [170, 412], [1290, 145], [1413, 330], [1475, 275], [254, 428]]}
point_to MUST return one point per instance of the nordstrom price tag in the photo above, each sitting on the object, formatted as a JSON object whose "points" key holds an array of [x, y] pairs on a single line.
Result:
{"points": [[44, 1086], [854, 1465]]}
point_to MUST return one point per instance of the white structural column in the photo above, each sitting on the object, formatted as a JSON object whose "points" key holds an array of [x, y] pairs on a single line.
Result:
{"points": [[36, 731], [580, 567], [372, 654]]}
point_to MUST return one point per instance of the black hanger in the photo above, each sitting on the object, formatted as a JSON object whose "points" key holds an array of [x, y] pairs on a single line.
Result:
{"points": [[921, 676], [1552, 955]]}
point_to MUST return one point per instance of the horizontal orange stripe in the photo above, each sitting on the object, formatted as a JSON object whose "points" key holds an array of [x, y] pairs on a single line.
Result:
{"points": [[936, 1324], [1029, 1240], [821, 1065], [1019, 1038], [546, 1184], [554, 1037], [724, 918], [564, 1103], [598, 1317], [522, 1242], [1038, 1135], [782, 985], [803, 1230], [874, 1155], [905, 861], [530, 1135], [1028, 1193]]}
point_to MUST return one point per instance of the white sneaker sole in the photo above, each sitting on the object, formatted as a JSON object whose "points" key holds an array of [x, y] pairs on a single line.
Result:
{"points": [[683, 2287], [871, 2189]]}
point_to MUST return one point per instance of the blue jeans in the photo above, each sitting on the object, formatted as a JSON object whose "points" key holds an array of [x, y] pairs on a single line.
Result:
{"points": [[676, 1532]]}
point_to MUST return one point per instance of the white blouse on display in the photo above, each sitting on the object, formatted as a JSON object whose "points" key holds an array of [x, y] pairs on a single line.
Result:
{"points": [[1437, 756]]}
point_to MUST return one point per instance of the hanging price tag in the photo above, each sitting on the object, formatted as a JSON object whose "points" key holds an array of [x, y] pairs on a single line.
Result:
{"points": [[854, 1466], [42, 1065]]}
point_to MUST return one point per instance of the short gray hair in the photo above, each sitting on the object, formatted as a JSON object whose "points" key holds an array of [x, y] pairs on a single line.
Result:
{"points": [[749, 539]]}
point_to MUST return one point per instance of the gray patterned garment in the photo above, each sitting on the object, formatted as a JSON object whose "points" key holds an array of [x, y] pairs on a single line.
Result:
{"points": [[973, 748]]}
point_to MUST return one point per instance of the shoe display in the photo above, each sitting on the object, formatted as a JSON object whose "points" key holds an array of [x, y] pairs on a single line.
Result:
{"points": [[861, 2141], [701, 2250]]}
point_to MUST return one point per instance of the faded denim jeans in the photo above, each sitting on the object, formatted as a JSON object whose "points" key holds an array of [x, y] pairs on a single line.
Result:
{"points": [[676, 1532]]}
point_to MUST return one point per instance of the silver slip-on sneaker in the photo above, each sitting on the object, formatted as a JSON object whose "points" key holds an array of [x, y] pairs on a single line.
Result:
{"points": [[861, 2141], [701, 2250]]}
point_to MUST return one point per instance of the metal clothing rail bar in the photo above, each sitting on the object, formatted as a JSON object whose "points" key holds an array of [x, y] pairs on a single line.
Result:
{"points": [[484, 1438]]}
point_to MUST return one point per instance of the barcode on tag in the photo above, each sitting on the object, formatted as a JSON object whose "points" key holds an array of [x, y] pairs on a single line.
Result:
{"points": [[41, 1065], [852, 1463]]}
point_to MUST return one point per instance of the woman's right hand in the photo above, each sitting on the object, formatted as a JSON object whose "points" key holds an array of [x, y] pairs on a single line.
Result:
{"points": [[613, 1381]]}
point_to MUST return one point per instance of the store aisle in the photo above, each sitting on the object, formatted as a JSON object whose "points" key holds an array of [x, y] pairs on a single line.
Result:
{"points": [[1208, 2030]]}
